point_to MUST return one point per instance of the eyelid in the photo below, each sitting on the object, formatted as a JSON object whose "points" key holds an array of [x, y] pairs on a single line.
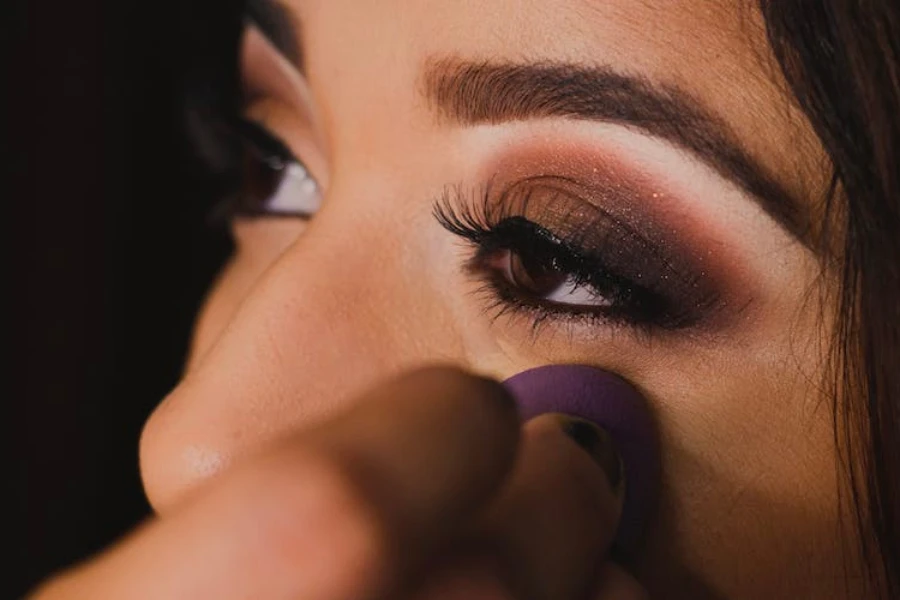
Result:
{"points": [[278, 95], [275, 22], [266, 72]]}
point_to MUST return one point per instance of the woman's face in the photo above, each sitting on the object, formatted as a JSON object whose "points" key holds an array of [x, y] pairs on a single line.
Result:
{"points": [[508, 184]]}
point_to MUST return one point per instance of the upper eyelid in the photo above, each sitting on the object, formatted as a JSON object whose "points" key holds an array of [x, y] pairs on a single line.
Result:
{"points": [[277, 94], [584, 230], [280, 27], [512, 199]]}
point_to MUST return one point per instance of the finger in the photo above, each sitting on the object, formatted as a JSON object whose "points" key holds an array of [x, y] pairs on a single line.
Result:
{"points": [[615, 583], [338, 513], [555, 521], [550, 527], [428, 450]]}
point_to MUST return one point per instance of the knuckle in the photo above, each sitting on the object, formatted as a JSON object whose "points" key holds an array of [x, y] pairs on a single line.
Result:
{"points": [[316, 519]]}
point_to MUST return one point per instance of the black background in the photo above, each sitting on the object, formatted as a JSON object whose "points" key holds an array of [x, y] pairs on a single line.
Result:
{"points": [[108, 254]]}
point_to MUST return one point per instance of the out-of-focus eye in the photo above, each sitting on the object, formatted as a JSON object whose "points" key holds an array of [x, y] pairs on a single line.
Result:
{"points": [[274, 181]]}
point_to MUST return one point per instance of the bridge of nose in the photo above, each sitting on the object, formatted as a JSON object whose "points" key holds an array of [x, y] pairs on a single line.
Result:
{"points": [[340, 310]]}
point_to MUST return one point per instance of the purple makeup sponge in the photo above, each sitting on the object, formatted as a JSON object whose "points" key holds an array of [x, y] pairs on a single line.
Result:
{"points": [[612, 403]]}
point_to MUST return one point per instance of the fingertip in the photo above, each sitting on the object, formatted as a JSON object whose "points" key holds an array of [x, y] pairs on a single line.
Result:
{"points": [[488, 407]]}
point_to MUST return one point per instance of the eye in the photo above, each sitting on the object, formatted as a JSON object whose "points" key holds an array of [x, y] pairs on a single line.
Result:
{"points": [[531, 268], [274, 181], [543, 280], [596, 271]]}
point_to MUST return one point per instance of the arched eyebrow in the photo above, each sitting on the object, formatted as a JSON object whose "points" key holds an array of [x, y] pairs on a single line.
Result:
{"points": [[470, 93]]}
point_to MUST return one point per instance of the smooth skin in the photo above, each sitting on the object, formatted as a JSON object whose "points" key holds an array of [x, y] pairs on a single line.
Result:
{"points": [[446, 497], [310, 314]]}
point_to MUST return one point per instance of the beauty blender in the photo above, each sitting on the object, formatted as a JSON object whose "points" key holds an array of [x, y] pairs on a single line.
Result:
{"points": [[613, 404]]}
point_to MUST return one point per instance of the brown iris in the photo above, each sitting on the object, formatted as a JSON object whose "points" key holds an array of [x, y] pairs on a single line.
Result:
{"points": [[528, 274]]}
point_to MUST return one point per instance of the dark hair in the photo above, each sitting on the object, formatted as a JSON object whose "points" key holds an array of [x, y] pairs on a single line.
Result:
{"points": [[841, 58]]}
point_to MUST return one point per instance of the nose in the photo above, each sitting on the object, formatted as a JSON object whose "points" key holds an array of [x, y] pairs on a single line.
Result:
{"points": [[327, 320]]}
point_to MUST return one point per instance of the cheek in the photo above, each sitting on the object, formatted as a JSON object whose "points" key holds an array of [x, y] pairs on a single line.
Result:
{"points": [[750, 480]]}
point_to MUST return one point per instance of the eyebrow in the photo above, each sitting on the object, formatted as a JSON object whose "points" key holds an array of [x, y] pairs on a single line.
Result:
{"points": [[471, 93]]}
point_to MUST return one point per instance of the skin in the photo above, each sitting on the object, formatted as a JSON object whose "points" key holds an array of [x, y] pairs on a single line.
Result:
{"points": [[310, 313], [345, 511]]}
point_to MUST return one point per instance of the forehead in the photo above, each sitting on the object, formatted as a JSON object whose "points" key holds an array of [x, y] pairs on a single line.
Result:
{"points": [[714, 50], [651, 35]]}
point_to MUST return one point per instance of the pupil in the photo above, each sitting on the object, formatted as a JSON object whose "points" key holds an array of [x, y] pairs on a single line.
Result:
{"points": [[535, 276]]}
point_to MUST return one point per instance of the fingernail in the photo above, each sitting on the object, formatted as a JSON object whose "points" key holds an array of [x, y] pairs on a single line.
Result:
{"points": [[599, 444]]}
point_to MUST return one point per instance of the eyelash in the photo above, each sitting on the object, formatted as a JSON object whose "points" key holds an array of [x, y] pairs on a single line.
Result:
{"points": [[490, 229]]}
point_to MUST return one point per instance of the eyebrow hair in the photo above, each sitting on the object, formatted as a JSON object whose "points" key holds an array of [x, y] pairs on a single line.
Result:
{"points": [[280, 25], [471, 93]]}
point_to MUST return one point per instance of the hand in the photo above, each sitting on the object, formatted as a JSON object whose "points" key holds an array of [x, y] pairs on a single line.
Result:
{"points": [[428, 488]]}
